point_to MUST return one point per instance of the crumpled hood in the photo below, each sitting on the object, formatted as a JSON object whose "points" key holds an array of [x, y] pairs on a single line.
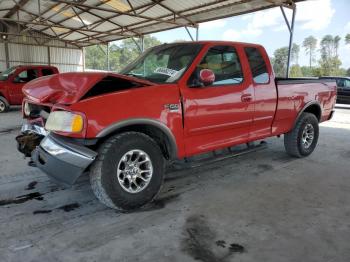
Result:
{"points": [[67, 88]]}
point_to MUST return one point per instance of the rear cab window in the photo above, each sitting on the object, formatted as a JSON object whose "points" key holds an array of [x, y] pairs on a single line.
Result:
{"points": [[47, 71], [27, 75], [257, 65], [225, 64]]}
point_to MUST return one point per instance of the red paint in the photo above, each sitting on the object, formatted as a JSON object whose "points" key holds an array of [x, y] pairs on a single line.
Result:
{"points": [[211, 117], [12, 90]]}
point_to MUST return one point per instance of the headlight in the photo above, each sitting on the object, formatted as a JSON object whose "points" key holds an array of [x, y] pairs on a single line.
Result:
{"points": [[26, 109], [64, 121]]}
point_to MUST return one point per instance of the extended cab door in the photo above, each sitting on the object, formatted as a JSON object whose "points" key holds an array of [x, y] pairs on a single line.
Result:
{"points": [[264, 89], [19, 79], [220, 114], [343, 90]]}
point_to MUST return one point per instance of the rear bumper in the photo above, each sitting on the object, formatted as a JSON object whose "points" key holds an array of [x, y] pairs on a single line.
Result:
{"points": [[62, 161]]}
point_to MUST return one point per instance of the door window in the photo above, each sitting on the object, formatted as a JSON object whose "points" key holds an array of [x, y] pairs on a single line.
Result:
{"points": [[347, 84], [47, 71], [257, 65], [224, 62], [27, 75], [340, 82]]}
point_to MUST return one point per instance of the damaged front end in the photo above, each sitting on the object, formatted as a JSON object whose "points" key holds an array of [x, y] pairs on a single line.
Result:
{"points": [[61, 158], [31, 135]]}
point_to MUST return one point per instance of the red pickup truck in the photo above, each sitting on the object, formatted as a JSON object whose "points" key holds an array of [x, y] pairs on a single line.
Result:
{"points": [[13, 79], [175, 101]]}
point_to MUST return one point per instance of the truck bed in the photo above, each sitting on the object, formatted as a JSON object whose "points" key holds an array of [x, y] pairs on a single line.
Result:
{"points": [[288, 81], [295, 94]]}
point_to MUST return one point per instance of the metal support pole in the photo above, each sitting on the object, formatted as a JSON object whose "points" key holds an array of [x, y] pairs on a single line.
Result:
{"points": [[7, 54], [197, 33], [291, 33], [137, 44], [188, 31], [83, 54], [108, 65], [142, 39], [48, 56]]}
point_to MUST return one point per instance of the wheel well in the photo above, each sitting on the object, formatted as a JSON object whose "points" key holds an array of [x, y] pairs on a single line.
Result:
{"points": [[157, 134], [314, 109]]}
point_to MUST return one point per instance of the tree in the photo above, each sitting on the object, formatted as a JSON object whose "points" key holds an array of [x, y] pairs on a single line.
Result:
{"points": [[329, 62], [279, 61], [310, 44], [336, 41], [120, 53], [95, 57], [347, 39], [348, 72], [295, 53]]}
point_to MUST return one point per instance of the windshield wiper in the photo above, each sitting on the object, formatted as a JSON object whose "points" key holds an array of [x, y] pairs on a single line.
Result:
{"points": [[132, 74]]}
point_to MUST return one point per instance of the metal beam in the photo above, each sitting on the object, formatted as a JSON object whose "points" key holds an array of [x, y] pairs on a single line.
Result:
{"points": [[189, 33], [291, 34], [16, 8], [99, 8]]}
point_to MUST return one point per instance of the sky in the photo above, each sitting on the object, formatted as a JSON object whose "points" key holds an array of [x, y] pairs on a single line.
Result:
{"points": [[314, 17]]}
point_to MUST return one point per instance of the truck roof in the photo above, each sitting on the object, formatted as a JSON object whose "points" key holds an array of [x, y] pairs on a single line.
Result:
{"points": [[214, 42], [35, 66]]}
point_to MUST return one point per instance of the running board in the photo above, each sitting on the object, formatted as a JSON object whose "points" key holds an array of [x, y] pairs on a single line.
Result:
{"points": [[216, 156]]}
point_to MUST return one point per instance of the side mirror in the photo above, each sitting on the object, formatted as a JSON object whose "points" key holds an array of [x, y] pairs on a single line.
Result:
{"points": [[207, 77]]}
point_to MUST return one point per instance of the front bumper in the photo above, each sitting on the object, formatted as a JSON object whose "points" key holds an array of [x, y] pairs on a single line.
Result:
{"points": [[62, 161]]}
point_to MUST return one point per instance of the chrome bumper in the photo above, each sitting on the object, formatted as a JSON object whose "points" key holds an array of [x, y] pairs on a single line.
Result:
{"points": [[62, 161], [30, 128]]}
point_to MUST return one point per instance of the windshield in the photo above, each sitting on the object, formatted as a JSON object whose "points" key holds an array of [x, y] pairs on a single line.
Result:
{"points": [[164, 63], [5, 75]]}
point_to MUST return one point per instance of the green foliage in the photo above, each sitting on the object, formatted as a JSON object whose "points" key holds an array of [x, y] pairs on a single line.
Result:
{"points": [[348, 72], [330, 62], [119, 55], [95, 57], [347, 39], [295, 71], [295, 53], [310, 44], [279, 61]]}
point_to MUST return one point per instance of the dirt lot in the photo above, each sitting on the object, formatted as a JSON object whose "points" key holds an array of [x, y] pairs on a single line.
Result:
{"points": [[264, 206]]}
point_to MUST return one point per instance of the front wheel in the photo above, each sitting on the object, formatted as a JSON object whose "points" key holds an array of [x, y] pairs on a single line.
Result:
{"points": [[4, 105], [302, 139], [128, 172]]}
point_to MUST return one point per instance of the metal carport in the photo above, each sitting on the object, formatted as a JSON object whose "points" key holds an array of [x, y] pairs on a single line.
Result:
{"points": [[79, 23]]}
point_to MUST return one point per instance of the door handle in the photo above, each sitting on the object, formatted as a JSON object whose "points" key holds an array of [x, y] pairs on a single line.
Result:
{"points": [[246, 98]]}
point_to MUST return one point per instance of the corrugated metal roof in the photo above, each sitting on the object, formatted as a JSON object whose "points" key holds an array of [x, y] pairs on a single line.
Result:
{"points": [[86, 22]]}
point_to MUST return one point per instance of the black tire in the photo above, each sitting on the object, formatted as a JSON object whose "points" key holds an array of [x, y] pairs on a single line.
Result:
{"points": [[293, 141], [4, 104], [103, 172]]}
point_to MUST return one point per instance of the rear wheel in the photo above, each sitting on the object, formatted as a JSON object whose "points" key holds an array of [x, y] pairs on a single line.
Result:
{"points": [[4, 105], [128, 172], [302, 140]]}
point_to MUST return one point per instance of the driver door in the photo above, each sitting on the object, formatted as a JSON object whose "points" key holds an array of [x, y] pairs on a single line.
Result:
{"points": [[219, 114]]}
